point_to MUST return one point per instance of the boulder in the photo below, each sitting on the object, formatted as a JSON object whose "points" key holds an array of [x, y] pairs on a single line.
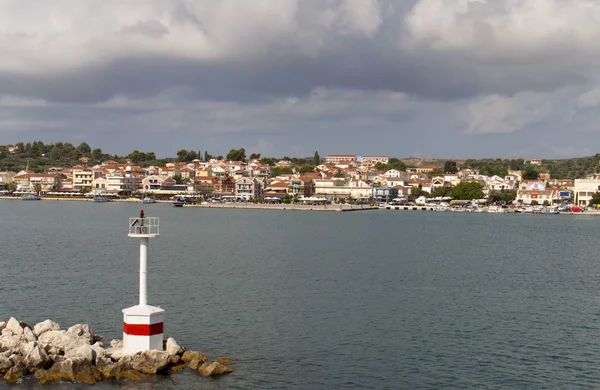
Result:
{"points": [[70, 370], [116, 343], [5, 364], [213, 369], [2, 325], [84, 352], [9, 342], [28, 334], [15, 373], [99, 352], [172, 347], [188, 356], [82, 331], [58, 342], [195, 364], [13, 327], [34, 356], [178, 368], [224, 360], [45, 326], [174, 360], [150, 362]]}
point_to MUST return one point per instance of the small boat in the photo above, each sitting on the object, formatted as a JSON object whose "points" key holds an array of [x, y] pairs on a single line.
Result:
{"points": [[148, 200], [100, 199], [30, 196]]}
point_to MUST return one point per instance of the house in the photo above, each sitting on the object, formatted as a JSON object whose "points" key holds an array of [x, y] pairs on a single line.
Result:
{"points": [[394, 173], [248, 188], [336, 158], [536, 161], [155, 183], [284, 164], [532, 185], [277, 189], [47, 181], [425, 168], [371, 161], [13, 149]]}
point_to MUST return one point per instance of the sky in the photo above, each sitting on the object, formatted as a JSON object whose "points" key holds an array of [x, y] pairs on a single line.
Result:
{"points": [[404, 78]]}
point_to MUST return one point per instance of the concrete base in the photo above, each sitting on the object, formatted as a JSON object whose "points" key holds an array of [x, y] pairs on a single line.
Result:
{"points": [[142, 328]]}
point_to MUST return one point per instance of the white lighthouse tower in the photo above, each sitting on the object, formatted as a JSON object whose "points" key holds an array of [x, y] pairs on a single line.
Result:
{"points": [[143, 324]]}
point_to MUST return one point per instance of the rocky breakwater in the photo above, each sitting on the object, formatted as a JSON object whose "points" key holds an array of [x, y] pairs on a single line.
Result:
{"points": [[78, 355]]}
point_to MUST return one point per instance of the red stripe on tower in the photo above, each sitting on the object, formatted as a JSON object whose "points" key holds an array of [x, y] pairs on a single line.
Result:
{"points": [[143, 329]]}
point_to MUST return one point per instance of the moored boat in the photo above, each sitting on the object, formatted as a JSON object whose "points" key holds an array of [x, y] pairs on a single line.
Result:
{"points": [[100, 199], [148, 200], [30, 196]]}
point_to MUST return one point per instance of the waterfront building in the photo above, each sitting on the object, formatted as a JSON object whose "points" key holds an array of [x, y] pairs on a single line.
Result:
{"points": [[384, 194], [550, 196], [27, 181], [532, 185], [584, 189], [82, 178], [248, 188], [122, 184], [155, 183]]}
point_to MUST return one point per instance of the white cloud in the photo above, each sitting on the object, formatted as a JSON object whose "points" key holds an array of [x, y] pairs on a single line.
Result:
{"points": [[589, 99], [57, 36], [506, 30], [498, 114]]}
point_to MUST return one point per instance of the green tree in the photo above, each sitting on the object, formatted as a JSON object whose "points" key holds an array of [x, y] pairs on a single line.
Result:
{"points": [[530, 173], [395, 163], [11, 186], [267, 161], [37, 187], [467, 190], [450, 167], [97, 154], [595, 199], [306, 168], [178, 179], [236, 155], [316, 159], [338, 174], [84, 148], [276, 171], [255, 156], [182, 155]]}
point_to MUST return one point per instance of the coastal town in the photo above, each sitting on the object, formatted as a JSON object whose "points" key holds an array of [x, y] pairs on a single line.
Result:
{"points": [[337, 178]]}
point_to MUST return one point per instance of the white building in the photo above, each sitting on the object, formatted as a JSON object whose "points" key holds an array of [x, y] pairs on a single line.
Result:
{"points": [[119, 183], [336, 158], [584, 189], [82, 179]]}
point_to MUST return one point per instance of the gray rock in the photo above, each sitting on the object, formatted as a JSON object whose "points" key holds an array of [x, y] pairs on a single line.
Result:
{"points": [[84, 352], [2, 325], [34, 356], [82, 331], [13, 327], [173, 348], [116, 343], [9, 342], [150, 362], [28, 334], [213, 369], [15, 373], [98, 352], [5, 365], [45, 326], [59, 342]]}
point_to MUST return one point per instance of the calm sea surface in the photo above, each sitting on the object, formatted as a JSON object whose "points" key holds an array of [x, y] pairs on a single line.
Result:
{"points": [[309, 300]]}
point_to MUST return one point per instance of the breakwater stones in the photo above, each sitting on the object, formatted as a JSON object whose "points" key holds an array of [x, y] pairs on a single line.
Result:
{"points": [[78, 355]]}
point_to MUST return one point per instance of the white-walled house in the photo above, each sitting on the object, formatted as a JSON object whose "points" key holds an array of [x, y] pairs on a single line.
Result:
{"points": [[584, 189]]}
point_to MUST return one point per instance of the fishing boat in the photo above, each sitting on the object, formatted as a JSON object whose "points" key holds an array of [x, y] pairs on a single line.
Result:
{"points": [[100, 198], [30, 196], [148, 200]]}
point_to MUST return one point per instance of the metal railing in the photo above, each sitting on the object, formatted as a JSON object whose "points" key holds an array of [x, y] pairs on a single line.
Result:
{"points": [[148, 225]]}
